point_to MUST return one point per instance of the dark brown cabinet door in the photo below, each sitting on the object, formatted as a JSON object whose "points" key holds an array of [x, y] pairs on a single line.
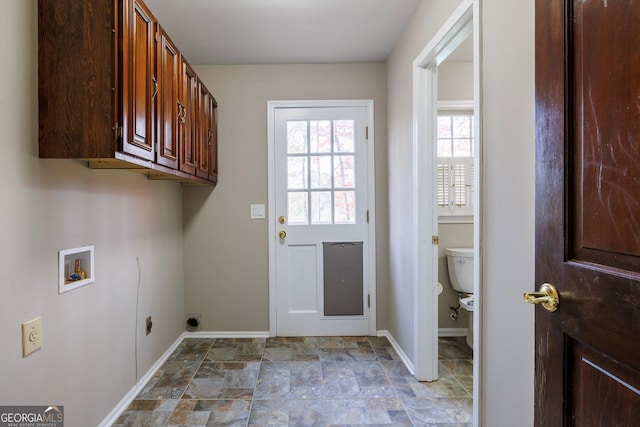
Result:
{"points": [[188, 120], [207, 147], [203, 156], [212, 138], [77, 79], [588, 212], [137, 78], [167, 101]]}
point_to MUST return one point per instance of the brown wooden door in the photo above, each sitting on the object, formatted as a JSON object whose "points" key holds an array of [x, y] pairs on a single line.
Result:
{"points": [[138, 65], [169, 73], [588, 212], [188, 117]]}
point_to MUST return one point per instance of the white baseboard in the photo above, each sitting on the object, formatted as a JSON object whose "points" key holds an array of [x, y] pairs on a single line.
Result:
{"points": [[407, 362], [128, 398], [442, 332], [453, 332], [227, 334]]}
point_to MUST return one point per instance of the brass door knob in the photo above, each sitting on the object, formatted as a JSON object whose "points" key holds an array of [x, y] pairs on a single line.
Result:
{"points": [[282, 234], [547, 296], [282, 220]]}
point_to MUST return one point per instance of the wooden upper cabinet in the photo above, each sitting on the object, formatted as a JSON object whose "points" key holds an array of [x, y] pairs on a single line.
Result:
{"points": [[114, 90], [167, 101], [188, 120], [138, 80]]}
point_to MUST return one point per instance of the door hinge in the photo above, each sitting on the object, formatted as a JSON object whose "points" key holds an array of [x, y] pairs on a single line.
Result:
{"points": [[366, 133], [435, 240], [369, 300], [119, 132], [367, 216]]}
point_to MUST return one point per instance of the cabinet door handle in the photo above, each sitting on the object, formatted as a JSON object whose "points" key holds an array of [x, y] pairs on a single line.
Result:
{"points": [[184, 113], [155, 88], [180, 107]]}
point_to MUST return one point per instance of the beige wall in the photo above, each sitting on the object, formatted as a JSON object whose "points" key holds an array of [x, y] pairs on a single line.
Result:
{"points": [[226, 253], [508, 211], [506, 396], [428, 19], [88, 360], [455, 81]]}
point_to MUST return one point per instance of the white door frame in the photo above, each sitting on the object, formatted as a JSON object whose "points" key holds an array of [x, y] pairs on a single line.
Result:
{"points": [[370, 257], [465, 20]]}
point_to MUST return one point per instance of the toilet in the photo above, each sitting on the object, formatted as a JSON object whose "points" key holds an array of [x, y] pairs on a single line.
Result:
{"points": [[460, 266]]}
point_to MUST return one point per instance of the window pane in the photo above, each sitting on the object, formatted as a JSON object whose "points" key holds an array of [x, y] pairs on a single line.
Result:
{"points": [[444, 148], [320, 171], [298, 207], [444, 126], [344, 171], [344, 136], [462, 148], [321, 207], [345, 207], [462, 126], [455, 163], [296, 137], [320, 136], [297, 173]]}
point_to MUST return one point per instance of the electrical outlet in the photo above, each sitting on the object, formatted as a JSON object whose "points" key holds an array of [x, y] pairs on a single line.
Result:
{"points": [[149, 325], [31, 336]]}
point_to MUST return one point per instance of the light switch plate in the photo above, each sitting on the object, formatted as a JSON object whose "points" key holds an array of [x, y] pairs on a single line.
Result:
{"points": [[257, 211], [31, 336]]}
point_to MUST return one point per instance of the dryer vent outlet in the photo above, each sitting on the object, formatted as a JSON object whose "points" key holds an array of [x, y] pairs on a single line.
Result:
{"points": [[193, 322]]}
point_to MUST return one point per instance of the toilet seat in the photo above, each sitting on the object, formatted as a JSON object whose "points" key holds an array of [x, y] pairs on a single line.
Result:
{"points": [[467, 303]]}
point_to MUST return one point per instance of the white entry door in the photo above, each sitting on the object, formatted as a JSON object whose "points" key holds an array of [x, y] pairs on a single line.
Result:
{"points": [[320, 220]]}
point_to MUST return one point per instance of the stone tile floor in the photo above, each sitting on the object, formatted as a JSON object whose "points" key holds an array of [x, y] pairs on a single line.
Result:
{"points": [[306, 381]]}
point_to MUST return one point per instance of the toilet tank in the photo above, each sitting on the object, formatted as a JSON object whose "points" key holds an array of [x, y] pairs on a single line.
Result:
{"points": [[460, 266]]}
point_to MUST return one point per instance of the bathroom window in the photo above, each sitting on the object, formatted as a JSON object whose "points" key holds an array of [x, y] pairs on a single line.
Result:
{"points": [[455, 148]]}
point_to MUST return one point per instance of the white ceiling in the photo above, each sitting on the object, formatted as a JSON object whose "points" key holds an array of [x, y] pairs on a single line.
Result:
{"points": [[284, 31]]}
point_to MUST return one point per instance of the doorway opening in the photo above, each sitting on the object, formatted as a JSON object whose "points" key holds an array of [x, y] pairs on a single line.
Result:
{"points": [[458, 37]]}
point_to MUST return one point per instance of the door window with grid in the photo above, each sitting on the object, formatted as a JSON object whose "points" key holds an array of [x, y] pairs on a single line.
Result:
{"points": [[455, 148], [321, 166]]}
